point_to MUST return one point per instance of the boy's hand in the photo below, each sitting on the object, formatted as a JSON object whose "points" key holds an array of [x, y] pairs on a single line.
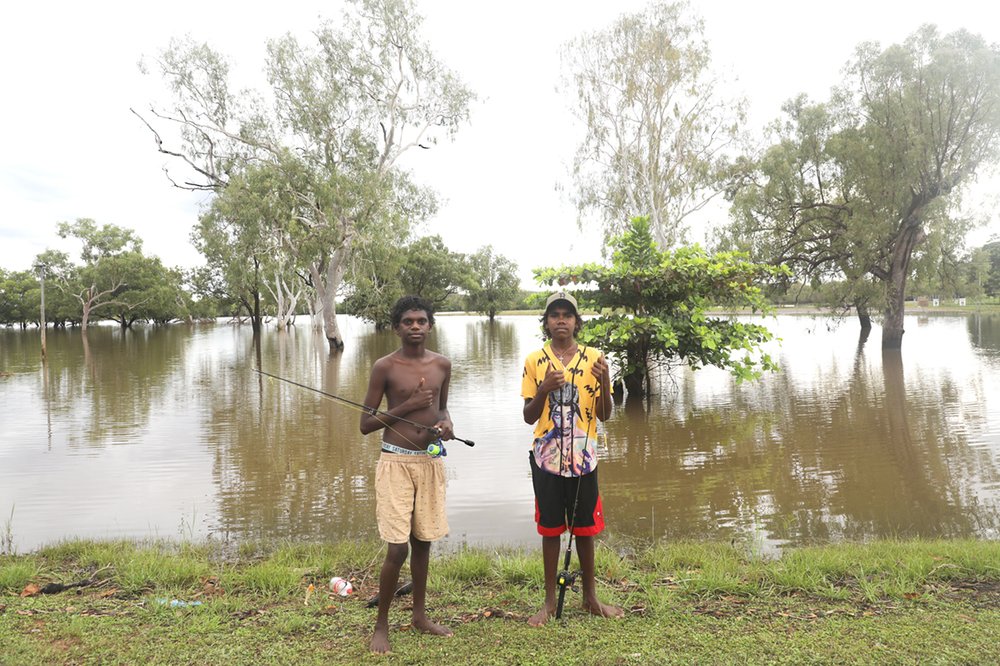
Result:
{"points": [[421, 398], [444, 429], [554, 379], [601, 370]]}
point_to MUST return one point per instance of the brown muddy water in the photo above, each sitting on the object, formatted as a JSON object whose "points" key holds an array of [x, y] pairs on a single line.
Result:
{"points": [[167, 433]]}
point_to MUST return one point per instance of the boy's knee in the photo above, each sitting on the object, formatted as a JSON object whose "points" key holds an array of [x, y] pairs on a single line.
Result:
{"points": [[396, 554]]}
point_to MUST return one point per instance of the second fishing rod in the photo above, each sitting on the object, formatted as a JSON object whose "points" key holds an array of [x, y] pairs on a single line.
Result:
{"points": [[369, 410]]}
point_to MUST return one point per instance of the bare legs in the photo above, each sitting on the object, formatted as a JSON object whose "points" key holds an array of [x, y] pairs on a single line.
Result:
{"points": [[418, 567], [550, 557], [388, 580], [591, 604]]}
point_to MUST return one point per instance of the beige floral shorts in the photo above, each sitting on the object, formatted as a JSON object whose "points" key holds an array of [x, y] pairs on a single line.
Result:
{"points": [[410, 497]]}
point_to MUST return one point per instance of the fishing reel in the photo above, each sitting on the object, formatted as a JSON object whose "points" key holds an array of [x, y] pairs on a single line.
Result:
{"points": [[567, 579], [436, 449]]}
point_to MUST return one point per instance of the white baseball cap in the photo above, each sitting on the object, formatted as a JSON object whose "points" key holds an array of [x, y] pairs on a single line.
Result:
{"points": [[561, 296]]}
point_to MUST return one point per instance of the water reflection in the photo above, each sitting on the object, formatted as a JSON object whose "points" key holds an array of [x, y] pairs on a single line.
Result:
{"points": [[167, 431]]}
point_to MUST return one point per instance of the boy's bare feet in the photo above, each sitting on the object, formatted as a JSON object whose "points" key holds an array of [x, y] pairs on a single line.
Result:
{"points": [[542, 616], [380, 641], [595, 607], [425, 625]]}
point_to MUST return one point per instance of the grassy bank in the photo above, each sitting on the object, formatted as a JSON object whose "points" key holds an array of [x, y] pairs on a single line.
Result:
{"points": [[887, 602]]}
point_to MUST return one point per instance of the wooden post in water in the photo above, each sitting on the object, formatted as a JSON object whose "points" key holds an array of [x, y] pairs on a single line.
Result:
{"points": [[40, 267]]}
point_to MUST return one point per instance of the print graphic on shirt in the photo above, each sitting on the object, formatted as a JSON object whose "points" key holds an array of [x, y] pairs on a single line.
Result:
{"points": [[563, 450]]}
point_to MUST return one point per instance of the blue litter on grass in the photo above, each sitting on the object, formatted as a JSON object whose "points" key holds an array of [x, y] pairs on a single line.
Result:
{"points": [[177, 603]]}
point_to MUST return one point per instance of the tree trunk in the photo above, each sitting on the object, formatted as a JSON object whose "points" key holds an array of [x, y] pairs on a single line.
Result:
{"points": [[635, 384], [334, 275], [635, 380], [865, 318], [617, 391], [909, 238], [255, 315]]}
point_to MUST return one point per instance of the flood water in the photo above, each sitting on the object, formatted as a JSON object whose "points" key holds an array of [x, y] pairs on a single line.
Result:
{"points": [[168, 433]]}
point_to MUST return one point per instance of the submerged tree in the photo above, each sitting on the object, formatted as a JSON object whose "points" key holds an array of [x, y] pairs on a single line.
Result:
{"points": [[656, 125], [110, 254], [495, 284], [433, 271], [653, 307], [347, 109], [853, 188]]}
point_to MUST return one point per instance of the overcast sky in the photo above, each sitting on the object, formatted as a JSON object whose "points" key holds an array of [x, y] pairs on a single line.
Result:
{"points": [[72, 149]]}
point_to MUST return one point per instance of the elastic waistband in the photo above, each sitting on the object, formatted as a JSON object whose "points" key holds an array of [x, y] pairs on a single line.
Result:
{"points": [[392, 448]]}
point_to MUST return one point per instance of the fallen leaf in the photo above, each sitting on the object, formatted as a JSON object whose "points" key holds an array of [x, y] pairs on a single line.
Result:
{"points": [[911, 595], [108, 593], [30, 590]]}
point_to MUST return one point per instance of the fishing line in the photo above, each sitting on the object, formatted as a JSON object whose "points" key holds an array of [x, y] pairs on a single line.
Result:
{"points": [[366, 409], [565, 578]]}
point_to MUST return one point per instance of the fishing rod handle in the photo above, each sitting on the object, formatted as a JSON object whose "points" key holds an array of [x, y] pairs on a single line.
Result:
{"points": [[437, 432]]}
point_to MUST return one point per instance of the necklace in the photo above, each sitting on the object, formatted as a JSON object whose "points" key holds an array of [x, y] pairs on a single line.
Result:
{"points": [[566, 355]]}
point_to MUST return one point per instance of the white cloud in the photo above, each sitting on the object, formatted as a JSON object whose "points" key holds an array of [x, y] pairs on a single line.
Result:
{"points": [[73, 149]]}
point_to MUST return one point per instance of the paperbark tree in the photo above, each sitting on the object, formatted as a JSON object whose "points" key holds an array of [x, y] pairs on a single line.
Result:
{"points": [[495, 282], [107, 256], [854, 187], [655, 122], [347, 108]]}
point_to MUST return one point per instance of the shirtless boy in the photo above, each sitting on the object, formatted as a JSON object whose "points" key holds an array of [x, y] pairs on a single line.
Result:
{"points": [[409, 482]]}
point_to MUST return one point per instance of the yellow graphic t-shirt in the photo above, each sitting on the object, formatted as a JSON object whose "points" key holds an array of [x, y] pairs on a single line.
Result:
{"points": [[566, 432]]}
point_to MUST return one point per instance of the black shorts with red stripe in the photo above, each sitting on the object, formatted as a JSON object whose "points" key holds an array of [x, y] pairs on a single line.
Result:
{"points": [[555, 497]]}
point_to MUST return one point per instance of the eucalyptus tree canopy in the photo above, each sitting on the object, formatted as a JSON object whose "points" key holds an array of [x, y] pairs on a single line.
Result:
{"points": [[853, 188], [243, 235], [653, 307], [495, 285], [432, 271], [991, 281], [113, 264], [338, 115], [655, 122], [382, 272]]}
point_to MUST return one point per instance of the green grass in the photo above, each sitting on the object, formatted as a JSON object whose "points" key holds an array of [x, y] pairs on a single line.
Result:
{"points": [[886, 602]]}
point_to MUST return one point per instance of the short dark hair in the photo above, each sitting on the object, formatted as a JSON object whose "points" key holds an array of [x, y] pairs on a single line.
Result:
{"points": [[407, 303]]}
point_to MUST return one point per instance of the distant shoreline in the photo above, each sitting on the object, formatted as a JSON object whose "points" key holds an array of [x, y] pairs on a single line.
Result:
{"points": [[911, 309]]}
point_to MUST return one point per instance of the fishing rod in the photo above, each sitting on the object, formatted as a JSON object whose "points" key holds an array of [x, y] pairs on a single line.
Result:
{"points": [[369, 410], [565, 578]]}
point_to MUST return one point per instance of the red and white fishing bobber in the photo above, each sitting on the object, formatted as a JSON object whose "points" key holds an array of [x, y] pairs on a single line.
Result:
{"points": [[341, 586]]}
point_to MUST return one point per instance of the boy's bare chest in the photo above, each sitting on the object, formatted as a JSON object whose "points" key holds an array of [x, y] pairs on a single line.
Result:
{"points": [[404, 379]]}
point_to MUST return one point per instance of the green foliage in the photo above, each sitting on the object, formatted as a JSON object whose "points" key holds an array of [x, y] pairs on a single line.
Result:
{"points": [[432, 271], [990, 274], [655, 123], [654, 306], [381, 273], [239, 236], [493, 285], [685, 603], [865, 188], [116, 279], [347, 105]]}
